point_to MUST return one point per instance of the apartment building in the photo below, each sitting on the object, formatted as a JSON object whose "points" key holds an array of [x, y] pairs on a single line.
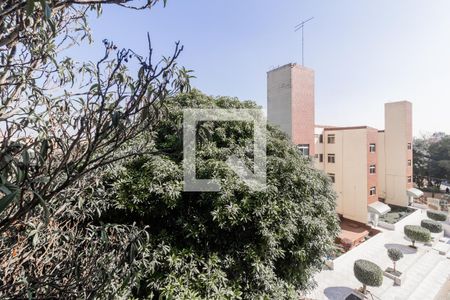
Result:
{"points": [[368, 167], [348, 155]]}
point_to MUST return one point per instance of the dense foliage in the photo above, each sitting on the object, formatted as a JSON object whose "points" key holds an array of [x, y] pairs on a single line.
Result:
{"points": [[432, 160], [417, 233], [394, 254], [431, 225], [368, 273], [133, 232], [437, 215], [256, 244]]}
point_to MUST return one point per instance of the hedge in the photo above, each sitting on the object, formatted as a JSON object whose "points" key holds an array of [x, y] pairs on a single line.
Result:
{"points": [[432, 226], [368, 273], [417, 233], [436, 215]]}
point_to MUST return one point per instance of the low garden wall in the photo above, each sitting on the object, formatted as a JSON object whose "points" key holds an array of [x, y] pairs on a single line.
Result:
{"points": [[404, 220], [385, 225]]}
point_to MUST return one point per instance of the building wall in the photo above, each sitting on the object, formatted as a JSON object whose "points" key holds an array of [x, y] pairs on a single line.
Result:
{"points": [[279, 100], [398, 133], [372, 159], [319, 149], [303, 120], [381, 165], [290, 102], [335, 168], [352, 179]]}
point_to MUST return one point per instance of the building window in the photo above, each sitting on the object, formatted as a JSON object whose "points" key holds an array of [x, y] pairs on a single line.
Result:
{"points": [[409, 163], [331, 158], [331, 138], [303, 148], [332, 177], [372, 148], [320, 157], [373, 191], [409, 146], [372, 169], [319, 137], [409, 179]]}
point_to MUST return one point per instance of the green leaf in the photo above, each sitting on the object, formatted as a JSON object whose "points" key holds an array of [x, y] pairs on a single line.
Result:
{"points": [[5, 190], [44, 206], [115, 118], [44, 150], [42, 179], [30, 7], [35, 239], [11, 186], [52, 26], [6, 200], [26, 158], [20, 175], [94, 88]]}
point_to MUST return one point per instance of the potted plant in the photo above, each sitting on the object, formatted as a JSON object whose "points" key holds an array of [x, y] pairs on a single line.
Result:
{"points": [[395, 255]]}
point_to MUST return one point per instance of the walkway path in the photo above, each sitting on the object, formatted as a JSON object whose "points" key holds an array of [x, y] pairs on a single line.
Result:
{"points": [[425, 270]]}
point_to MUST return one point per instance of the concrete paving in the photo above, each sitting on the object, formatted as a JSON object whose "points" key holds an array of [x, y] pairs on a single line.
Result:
{"points": [[425, 270]]}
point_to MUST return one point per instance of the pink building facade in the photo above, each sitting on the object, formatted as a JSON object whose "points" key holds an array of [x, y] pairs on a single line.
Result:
{"points": [[369, 168]]}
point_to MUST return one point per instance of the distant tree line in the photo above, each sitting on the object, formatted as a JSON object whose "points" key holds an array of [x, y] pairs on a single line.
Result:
{"points": [[432, 160]]}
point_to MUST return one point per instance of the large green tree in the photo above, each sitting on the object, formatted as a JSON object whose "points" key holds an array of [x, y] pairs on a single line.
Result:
{"points": [[440, 158], [236, 241], [421, 158], [432, 159]]}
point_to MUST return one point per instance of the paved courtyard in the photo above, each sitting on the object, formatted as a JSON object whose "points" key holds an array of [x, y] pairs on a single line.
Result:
{"points": [[426, 269]]}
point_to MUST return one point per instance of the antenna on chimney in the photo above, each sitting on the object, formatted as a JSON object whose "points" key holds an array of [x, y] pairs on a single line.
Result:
{"points": [[297, 28]]}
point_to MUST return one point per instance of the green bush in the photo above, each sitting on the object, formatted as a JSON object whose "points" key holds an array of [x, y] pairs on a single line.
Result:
{"points": [[265, 244], [436, 215], [368, 273], [395, 255], [432, 226], [417, 233]]}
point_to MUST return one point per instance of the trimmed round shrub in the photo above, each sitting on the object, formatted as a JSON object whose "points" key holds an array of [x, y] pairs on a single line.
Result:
{"points": [[395, 254], [436, 215], [368, 273], [417, 233], [432, 226]]}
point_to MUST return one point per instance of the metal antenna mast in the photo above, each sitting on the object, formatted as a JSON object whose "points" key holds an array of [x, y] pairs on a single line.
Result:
{"points": [[297, 28]]}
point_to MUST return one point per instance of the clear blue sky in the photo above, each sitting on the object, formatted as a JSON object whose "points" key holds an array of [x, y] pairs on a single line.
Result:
{"points": [[364, 53]]}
